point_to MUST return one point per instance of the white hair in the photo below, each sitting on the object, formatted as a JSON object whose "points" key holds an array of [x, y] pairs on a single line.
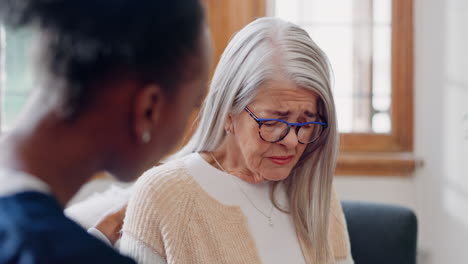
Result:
{"points": [[261, 51]]}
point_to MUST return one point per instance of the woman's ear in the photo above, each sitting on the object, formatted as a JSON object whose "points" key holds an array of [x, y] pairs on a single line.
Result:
{"points": [[148, 104]]}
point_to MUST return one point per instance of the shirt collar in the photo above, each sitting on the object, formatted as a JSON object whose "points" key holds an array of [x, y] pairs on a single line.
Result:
{"points": [[14, 181]]}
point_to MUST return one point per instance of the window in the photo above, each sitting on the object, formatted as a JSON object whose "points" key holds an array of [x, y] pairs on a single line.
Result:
{"points": [[15, 74]]}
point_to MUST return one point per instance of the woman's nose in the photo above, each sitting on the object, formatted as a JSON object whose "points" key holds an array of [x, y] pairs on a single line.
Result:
{"points": [[291, 140]]}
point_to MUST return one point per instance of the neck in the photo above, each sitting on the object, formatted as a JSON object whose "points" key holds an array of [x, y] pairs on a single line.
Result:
{"points": [[54, 153], [233, 163]]}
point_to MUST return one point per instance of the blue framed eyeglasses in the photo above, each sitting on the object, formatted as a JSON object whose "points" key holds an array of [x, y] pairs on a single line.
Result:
{"points": [[275, 130]]}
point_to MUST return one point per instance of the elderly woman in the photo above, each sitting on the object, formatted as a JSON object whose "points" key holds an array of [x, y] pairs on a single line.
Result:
{"points": [[254, 183]]}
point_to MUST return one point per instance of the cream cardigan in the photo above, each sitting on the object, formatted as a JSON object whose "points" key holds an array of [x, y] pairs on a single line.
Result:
{"points": [[170, 214]]}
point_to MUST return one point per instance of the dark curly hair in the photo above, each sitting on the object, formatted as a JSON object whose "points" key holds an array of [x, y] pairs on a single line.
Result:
{"points": [[85, 40]]}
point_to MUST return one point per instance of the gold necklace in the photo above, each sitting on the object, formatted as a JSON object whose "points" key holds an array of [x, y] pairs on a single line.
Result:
{"points": [[269, 216]]}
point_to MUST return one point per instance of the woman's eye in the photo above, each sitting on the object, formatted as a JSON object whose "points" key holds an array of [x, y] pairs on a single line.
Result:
{"points": [[270, 123]]}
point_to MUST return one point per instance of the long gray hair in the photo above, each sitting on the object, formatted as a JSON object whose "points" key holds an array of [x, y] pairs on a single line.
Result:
{"points": [[256, 54]]}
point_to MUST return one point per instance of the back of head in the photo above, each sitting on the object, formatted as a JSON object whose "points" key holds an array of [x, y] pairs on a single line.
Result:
{"points": [[82, 41]]}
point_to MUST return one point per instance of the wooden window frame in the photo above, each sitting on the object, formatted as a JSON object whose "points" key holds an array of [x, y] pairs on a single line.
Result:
{"points": [[361, 153], [389, 154], [401, 137]]}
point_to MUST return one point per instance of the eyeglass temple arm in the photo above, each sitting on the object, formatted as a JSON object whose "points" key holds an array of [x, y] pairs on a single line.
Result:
{"points": [[251, 114]]}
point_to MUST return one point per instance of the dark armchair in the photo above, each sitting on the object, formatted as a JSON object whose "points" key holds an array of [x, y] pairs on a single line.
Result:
{"points": [[381, 234]]}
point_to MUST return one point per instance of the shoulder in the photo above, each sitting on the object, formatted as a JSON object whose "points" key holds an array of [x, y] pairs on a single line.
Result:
{"points": [[33, 218], [160, 195], [163, 182], [160, 206]]}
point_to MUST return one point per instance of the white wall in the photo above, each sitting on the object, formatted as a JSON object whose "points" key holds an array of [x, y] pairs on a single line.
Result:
{"points": [[395, 190], [438, 192]]}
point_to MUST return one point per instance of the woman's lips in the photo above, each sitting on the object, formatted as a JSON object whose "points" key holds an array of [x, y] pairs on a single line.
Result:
{"points": [[281, 160]]}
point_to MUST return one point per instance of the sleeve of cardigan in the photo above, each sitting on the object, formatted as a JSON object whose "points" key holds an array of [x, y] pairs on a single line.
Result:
{"points": [[137, 250], [157, 213]]}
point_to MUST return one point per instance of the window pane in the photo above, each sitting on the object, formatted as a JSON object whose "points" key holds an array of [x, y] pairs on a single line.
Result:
{"points": [[326, 12], [17, 75], [331, 40], [357, 39]]}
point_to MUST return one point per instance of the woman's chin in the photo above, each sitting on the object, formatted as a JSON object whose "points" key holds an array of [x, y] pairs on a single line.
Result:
{"points": [[278, 175]]}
